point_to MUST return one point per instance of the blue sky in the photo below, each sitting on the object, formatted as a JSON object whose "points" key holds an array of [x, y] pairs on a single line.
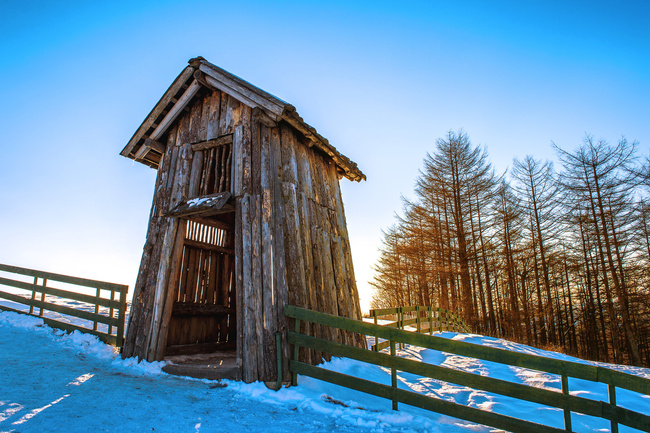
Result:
{"points": [[381, 80]]}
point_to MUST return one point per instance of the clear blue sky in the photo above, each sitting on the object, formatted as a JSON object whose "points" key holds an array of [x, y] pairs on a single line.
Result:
{"points": [[381, 80]]}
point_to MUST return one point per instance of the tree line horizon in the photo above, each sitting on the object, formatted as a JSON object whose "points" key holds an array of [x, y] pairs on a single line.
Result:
{"points": [[553, 259]]}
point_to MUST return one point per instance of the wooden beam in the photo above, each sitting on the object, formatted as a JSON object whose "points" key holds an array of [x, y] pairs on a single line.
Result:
{"points": [[209, 144], [177, 109], [195, 349], [194, 309], [209, 204], [261, 116], [209, 221], [149, 145], [158, 109], [200, 77], [155, 145], [209, 247], [245, 92]]}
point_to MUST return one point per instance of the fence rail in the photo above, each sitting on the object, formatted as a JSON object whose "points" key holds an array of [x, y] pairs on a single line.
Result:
{"points": [[426, 319], [559, 399], [105, 314]]}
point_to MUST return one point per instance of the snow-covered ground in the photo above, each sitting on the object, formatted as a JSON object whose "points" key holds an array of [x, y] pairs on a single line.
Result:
{"points": [[52, 381]]}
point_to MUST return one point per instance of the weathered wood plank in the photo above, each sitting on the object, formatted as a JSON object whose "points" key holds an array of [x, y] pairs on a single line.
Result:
{"points": [[136, 342], [245, 92], [238, 166], [212, 128], [200, 309], [176, 110], [249, 344], [260, 116], [339, 217], [293, 247], [211, 248], [61, 293], [289, 166], [279, 255], [196, 174], [158, 109], [179, 191], [59, 308], [168, 301], [162, 281], [206, 205], [256, 153], [148, 146], [306, 220], [215, 142], [206, 110], [269, 289], [255, 300], [194, 127], [247, 150]]}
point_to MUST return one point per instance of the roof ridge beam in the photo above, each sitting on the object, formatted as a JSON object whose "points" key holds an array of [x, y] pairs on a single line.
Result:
{"points": [[239, 89]]}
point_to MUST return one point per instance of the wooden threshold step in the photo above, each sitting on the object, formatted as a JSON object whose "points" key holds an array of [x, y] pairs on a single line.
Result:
{"points": [[205, 371]]}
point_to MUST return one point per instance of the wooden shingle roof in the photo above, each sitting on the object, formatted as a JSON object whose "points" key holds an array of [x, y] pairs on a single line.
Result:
{"points": [[201, 73]]}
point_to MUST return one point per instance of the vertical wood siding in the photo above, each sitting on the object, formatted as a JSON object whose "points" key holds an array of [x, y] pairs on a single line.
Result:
{"points": [[290, 239]]}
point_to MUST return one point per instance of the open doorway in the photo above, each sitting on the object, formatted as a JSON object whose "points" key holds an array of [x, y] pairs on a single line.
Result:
{"points": [[203, 319]]}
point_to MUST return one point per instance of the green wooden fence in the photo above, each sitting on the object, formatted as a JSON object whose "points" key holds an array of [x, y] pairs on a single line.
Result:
{"points": [[105, 311], [426, 319], [558, 399]]}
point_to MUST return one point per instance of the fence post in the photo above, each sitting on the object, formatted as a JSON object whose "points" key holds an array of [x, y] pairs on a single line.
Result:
{"points": [[97, 293], [393, 375], [40, 313], [417, 319], [567, 412], [31, 307], [294, 375], [430, 320], [111, 312], [400, 322], [612, 400], [376, 348]]}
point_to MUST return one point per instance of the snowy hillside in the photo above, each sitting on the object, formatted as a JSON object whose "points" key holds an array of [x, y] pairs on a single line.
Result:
{"points": [[50, 381]]}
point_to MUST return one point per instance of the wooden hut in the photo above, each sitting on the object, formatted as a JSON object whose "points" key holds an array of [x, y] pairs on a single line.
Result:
{"points": [[246, 217]]}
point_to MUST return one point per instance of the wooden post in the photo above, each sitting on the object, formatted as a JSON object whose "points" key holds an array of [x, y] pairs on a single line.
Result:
{"points": [[430, 312], [417, 319], [121, 319], [376, 348], [40, 313], [111, 311], [400, 323], [612, 400], [31, 307], [97, 293], [393, 374], [567, 412], [294, 375], [248, 325]]}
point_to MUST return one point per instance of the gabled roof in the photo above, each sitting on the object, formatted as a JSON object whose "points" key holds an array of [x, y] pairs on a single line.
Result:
{"points": [[144, 146]]}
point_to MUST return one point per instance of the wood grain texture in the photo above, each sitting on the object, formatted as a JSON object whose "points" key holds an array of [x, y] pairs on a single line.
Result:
{"points": [[285, 241]]}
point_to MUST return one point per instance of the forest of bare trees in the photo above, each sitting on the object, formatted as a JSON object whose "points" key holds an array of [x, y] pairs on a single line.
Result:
{"points": [[558, 260]]}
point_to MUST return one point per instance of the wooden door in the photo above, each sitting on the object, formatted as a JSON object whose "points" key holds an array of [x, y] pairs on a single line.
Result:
{"points": [[203, 314]]}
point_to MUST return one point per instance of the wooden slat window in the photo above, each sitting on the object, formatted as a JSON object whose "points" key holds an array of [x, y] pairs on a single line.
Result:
{"points": [[217, 164], [206, 234]]}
